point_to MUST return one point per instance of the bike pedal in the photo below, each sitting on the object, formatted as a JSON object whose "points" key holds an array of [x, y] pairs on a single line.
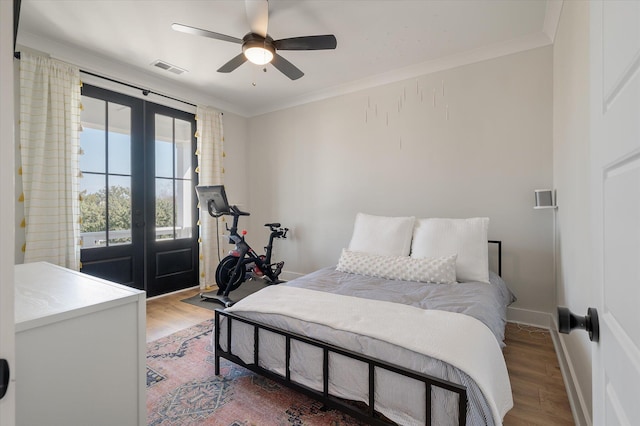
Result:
{"points": [[279, 266]]}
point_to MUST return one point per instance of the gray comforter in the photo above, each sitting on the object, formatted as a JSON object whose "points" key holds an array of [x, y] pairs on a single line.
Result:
{"points": [[484, 302]]}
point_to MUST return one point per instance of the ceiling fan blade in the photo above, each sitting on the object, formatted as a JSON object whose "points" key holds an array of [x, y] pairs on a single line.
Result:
{"points": [[205, 33], [233, 63], [257, 16], [317, 42], [286, 67]]}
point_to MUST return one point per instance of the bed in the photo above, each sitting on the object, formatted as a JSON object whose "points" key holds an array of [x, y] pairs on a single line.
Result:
{"points": [[407, 328]]}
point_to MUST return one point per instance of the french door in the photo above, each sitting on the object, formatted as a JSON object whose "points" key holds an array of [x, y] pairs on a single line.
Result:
{"points": [[138, 205]]}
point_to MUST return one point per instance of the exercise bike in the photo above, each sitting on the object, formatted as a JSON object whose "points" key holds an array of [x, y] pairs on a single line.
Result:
{"points": [[232, 270], [242, 260]]}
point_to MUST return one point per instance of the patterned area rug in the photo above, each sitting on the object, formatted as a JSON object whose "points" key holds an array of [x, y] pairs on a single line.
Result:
{"points": [[183, 390]]}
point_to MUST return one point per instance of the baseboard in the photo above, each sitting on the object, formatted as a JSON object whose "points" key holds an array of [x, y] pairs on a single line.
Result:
{"points": [[529, 317], [581, 415]]}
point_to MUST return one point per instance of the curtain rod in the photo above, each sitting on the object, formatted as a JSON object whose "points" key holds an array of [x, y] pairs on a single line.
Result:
{"points": [[144, 91]]}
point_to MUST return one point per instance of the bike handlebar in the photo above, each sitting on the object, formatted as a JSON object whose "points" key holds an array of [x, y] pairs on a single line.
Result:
{"points": [[276, 230], [235, 211]]}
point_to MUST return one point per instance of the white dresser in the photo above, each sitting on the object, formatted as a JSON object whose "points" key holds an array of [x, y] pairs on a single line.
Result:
{"points": [[80, 349]]}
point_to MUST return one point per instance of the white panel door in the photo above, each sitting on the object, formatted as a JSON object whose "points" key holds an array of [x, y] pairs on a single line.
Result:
{"points": [[615, 172]]}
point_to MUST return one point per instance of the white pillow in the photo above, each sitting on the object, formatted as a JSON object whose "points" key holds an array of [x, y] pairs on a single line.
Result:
{"points": [[465, 237], [385, 236], [441, 270]]}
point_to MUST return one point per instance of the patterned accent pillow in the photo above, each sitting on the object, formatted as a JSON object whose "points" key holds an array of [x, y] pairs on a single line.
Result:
{"points": [[440, 270]]}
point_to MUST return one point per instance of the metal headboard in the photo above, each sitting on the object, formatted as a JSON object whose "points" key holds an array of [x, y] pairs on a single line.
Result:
{"points": [[499, 244]]}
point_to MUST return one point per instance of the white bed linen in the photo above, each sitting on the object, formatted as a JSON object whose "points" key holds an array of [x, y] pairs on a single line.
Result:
{"points": [[405, 329]]}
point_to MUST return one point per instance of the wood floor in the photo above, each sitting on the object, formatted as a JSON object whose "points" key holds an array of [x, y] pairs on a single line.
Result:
{"points": [[167, 314], [538, 389], [539, 394]]}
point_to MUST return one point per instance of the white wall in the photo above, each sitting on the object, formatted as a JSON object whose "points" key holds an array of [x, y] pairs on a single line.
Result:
{"points": [[470, 141], [235, 176], [571, 177]]}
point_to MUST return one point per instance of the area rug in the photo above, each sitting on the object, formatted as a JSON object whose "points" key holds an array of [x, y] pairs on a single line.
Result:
{"points": [[183, 390]]}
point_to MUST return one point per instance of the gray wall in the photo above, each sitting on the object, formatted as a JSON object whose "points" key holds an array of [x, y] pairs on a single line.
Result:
{"points": [[470, 141]]}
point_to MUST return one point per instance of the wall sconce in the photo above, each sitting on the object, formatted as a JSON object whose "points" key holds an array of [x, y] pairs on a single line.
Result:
{"points": [[544, 199]]}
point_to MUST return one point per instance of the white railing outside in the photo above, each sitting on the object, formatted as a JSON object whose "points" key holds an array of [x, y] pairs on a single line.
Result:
{"points": [[123, 236]]}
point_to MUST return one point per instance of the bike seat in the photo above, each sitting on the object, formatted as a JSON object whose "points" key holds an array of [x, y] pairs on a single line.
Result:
{"points": [[273, 225]]}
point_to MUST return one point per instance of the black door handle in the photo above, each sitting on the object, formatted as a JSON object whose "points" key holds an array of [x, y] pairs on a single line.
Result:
{"points": [[4, 377], [567, 321]]}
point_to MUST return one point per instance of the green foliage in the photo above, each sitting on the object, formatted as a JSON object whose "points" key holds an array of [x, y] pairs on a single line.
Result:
{"points": [[93, 210], [164, 212], [119, 208]]}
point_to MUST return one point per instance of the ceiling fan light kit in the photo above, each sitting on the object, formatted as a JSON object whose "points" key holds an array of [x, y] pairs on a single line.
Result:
{"points": [[258, 47], [258, 50]]}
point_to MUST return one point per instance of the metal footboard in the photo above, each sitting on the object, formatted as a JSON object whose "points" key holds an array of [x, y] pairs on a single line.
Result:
{"points": [[367, 415]]}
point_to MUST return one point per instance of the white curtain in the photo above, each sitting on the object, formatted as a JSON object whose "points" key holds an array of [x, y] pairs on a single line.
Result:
{"points": [[49, 145], [210, 171]]}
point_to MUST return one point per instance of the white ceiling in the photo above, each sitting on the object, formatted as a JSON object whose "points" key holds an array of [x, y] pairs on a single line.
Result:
{"points": [[378, 41]]}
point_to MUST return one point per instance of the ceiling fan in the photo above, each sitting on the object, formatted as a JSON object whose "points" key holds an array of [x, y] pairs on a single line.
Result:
{"points": [[258, 47]]}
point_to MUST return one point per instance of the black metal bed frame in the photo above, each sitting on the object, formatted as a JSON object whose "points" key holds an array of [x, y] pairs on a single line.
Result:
{"points": [[499, 244], [367, 415]]}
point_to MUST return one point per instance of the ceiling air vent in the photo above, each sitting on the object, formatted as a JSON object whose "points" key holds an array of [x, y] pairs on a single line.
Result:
{"points": [[168, 67]]}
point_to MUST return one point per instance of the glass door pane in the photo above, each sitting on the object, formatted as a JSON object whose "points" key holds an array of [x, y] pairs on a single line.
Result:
{"points": [[119, 211], [173, 170], [183, 185], [164, 209], [105, 164]]}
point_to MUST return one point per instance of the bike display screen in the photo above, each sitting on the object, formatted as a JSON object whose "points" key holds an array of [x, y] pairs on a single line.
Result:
{"points": [[216, 195]]}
